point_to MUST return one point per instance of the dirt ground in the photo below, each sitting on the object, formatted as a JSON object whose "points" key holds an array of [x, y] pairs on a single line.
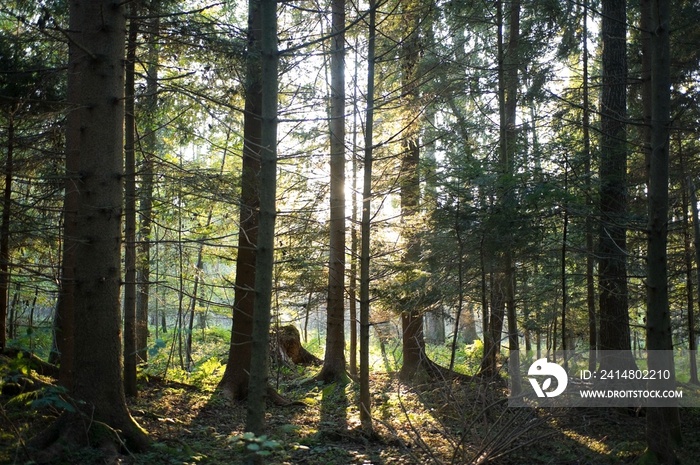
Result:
{"points": [[433, 422]]}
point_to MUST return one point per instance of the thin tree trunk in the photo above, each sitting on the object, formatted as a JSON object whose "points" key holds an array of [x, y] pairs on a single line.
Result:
{"points": [[590, 259], [334, 359], [688, 261], [193, 302], [130, 388], [65, 308], [146, 192], [485, 324], [663, 424], [352, 285], [696, 244], [508, 83], [257, 388], [564, 290], [460, 284], [14, 313], [365, 397], [181, 281], [5, 234], [306, 316], [513, 62], [234, 383]]}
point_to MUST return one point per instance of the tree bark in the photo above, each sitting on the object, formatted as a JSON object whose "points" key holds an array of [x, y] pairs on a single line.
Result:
{"points": [[696, 244], [257, 388], [590, 259], [663, 424], [460, 285], [5, 234], [435, 326], [413, 343], [290, 343], [612, 275], [334, 359], [65, 308], [130, 388], [511, 63], [352, 279], [97, 377], [688, 262], [365, 396], [146, 192], [193, 301], [234, 384]]}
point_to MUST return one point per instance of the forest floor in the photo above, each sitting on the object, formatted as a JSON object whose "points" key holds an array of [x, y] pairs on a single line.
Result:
{"points": [[428, 422]]}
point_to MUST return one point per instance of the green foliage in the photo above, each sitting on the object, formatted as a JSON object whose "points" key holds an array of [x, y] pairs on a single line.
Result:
{"points": [[51, 396], [54, 396], [34, 339], [467, 356], [249, 442], [157, 346], [209, 346], [204, 374]]}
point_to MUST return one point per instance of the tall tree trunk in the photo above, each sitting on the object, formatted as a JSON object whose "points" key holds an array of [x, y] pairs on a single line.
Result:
{"points": [[130, 388], [413, 342], [512, 63], [146, 191], [13, 317], [257, 389], [645, 24], [352, 279], [334, 359], [590, 259], [487, 337], [460, 285], [234, 383], [696, 244], [688, 262], [612, 274], [365, 397], [688, 259], [65, 308], [663, 424], [5, 233], [504, 299], [97, 377], [564, 289]]}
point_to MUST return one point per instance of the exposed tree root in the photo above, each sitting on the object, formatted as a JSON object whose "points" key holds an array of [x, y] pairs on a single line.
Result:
{"points": [[331, 376], [76, 430]]}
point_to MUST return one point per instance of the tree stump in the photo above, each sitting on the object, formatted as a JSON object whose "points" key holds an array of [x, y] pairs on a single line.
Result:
{"points": [[290, 346]]}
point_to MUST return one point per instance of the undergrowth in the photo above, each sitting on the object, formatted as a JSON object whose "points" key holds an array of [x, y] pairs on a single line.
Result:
{"points": [[429, 421]]}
